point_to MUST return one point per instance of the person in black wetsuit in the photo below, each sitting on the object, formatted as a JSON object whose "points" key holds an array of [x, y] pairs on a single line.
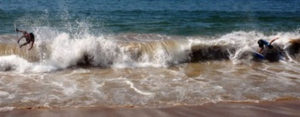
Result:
{"points": [[263, 43], [29, 38], [268, 51]]}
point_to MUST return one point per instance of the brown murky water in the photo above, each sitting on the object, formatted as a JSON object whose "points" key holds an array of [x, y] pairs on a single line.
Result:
{"points": [[186, 84]]}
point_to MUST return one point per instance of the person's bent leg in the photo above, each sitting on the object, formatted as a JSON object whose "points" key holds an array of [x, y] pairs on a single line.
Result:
{"points": [[24, 44]]}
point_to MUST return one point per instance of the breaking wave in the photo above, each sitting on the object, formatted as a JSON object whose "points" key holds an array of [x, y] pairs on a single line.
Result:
{"points": [[63, 50]]}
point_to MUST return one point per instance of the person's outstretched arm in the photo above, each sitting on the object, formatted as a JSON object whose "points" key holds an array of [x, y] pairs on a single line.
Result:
{"points": [[20, 31], [273, 40]]}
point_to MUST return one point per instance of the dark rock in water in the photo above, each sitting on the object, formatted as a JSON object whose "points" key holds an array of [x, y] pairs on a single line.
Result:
{"points": [[273, 54], [293, 49], [85, 61], [204, 53]]}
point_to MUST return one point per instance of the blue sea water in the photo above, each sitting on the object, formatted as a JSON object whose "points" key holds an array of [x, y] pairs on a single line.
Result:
{"points": [[171, 17]]}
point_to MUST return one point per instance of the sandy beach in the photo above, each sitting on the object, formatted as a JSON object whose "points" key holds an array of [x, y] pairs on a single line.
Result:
{"points": [[237, 109]]}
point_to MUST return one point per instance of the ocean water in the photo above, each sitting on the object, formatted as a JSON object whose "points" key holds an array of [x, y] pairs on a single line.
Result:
{"points": [[175, 17], [148, 53]]}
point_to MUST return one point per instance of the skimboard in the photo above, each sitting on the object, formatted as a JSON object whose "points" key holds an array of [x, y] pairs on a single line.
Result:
{"points": [[258, 55]]}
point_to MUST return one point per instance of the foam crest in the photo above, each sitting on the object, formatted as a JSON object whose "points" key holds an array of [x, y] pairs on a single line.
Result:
{"points": [[105, 52]]}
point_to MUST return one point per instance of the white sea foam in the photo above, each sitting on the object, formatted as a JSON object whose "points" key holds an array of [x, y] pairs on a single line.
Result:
{"points": [[3, 94], [5, 109], [65, 50], [137, 90]]}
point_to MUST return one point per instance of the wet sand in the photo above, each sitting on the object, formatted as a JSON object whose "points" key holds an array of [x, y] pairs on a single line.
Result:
{"points": [[264, 109]]}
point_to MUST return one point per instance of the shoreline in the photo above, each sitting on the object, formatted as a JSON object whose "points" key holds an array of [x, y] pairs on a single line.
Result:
{"points": [[286, 108]]}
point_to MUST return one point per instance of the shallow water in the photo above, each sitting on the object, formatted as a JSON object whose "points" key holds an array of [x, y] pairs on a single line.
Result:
{"points": [[185, 84]]}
